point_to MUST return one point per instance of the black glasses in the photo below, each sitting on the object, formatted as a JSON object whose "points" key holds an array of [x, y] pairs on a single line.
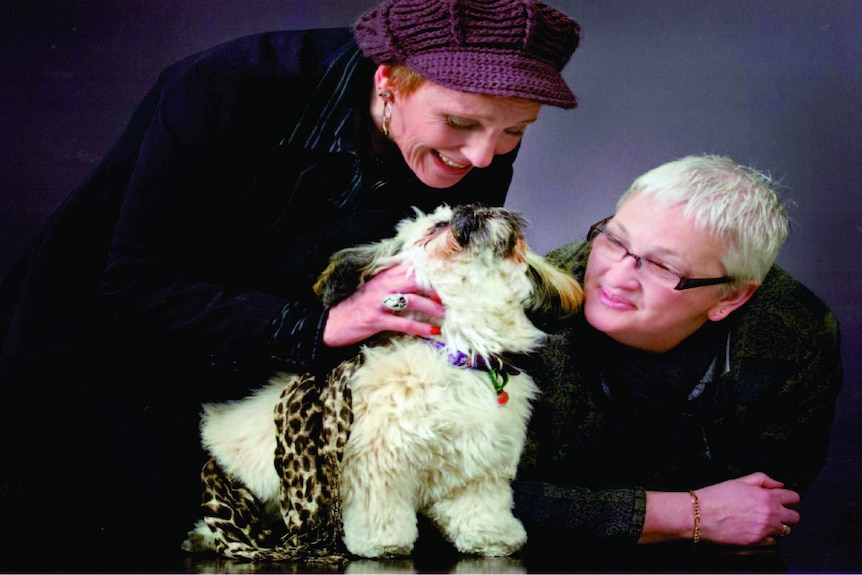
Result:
{"points": [[610, 247]]}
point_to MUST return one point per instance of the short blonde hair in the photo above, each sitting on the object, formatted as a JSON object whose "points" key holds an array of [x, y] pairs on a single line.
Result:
{"points": [[736, 204]]}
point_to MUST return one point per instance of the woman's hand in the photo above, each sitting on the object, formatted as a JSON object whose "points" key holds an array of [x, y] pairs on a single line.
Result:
{"points": [[750, 510], [363, 314]]}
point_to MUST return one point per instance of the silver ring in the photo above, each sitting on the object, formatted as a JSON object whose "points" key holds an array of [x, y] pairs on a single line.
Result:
{"points": [[785, 530], [396, 302]]}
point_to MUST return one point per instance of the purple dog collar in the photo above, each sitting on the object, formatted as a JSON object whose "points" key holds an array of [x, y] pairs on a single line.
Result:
{"points": [[499, 375]]}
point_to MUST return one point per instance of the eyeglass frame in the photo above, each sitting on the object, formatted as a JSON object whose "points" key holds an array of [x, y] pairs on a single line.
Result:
{"points": [[684, 282]]}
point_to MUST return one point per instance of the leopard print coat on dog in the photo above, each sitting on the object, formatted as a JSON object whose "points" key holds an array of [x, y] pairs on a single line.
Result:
{"points": [[312, 426]]}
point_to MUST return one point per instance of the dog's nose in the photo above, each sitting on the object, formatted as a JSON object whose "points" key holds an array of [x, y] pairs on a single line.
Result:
{"points": [[480, 227], [466, 222]]}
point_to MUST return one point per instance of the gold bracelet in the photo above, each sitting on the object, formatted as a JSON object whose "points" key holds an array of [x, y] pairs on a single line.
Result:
{"points": [[696, 506]]}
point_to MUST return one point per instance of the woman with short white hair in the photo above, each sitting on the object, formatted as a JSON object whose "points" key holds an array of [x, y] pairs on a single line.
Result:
{"points": [[694, 397]]}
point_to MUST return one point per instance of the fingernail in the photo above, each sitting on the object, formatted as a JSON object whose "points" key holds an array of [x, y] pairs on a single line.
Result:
{"points": [[435, 330]]}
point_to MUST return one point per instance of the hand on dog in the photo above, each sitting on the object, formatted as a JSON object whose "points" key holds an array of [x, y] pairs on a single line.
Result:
{"points": [[363, 315]]}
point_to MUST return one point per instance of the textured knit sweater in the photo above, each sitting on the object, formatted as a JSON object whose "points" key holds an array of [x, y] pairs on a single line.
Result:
{"points": [[757, 394]]}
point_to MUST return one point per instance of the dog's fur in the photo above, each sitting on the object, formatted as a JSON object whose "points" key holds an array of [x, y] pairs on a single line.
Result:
{"points": [[427, 436]]}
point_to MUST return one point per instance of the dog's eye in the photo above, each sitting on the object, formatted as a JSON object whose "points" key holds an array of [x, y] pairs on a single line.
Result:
{"points": [[439, 226]]}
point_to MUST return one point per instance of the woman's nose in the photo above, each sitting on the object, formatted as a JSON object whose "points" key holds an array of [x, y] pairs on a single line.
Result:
{"points": [[623, 273], [480, 150]]}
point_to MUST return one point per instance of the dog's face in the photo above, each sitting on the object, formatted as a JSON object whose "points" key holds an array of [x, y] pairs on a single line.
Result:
{"points": [[473, 232], [476, 259]]}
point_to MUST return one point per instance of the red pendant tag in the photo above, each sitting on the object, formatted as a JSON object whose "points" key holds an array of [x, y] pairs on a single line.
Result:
{"points": [[502, 397]]}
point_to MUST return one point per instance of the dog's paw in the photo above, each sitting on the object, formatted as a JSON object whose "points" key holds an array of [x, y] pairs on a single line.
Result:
{"points": [[380, 543], [384, 529], [377, 549], [499, 539], [199, 540]]}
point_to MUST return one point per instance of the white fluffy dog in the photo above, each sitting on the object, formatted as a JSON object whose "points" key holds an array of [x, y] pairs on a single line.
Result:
{"points": [[438, 423]]}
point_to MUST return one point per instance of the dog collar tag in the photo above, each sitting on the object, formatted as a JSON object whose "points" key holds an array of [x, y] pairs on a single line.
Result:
{"points": [[502, 395]]}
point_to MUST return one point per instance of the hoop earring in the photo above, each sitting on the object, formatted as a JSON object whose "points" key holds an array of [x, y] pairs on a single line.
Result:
{"points": [[387, 112]]}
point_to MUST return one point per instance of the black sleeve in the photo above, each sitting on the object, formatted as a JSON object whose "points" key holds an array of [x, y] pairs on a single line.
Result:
{"points": [[175, 269], [567, 513], [788, 367]]}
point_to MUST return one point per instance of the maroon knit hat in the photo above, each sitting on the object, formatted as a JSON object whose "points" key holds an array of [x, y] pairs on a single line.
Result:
{"points": [[512, 48]]}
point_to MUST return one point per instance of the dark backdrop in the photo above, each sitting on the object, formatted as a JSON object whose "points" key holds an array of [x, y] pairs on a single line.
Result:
{"points": [[774, 83]]}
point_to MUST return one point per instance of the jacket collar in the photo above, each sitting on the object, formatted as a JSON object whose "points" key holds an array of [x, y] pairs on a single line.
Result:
{"points": [[329, 110]]}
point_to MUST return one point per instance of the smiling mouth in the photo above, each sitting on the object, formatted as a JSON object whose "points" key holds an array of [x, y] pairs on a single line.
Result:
{"points": [[615, 301], [450, 163]]}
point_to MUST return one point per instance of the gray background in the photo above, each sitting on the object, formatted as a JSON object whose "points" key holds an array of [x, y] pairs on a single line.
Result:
{"points": [[773, 83]]}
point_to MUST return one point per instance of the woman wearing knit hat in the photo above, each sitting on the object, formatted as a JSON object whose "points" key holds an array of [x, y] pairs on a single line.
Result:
{"points": [[180, 271]]}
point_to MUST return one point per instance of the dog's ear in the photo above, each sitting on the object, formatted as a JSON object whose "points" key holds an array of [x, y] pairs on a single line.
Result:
{"points": [[349, 268], [556, 294]]}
